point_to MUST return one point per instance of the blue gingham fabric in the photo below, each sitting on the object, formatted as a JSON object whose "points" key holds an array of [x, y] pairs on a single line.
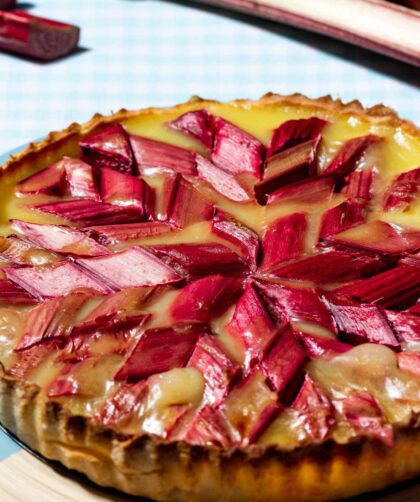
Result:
{"points": [[137, 53]]}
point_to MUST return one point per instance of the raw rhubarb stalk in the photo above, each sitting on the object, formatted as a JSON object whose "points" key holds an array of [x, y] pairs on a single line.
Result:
{"points": [[203, 299], [403, 190], [36, 37], [110, 148], [197, 124], [59, 238], [11, 294], [50, 181], [313, 190], [222, 181], [127, 191], [132, 267], [235, 150], [409, 362], [320, 346], [200, 259], [80, 179], [112, 234], [89, 212], [358, 184], [348, 214], [283, 365], [218, 369], [158, 350], [155, 156], [345, 160], [283, 239], [406, 326], [51, 281]]}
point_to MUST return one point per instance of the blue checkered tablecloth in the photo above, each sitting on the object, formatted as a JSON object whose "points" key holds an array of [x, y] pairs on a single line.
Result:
{"points": [[137, 53]]}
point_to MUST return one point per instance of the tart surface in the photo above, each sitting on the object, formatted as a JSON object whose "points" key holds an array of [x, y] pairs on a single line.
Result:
{"points": [[217, 301]]}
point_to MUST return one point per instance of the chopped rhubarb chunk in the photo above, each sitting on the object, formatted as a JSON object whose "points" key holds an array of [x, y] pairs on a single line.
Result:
{"points": [[348, 214], [20, 252], [345, 161], [200, 259], [203, 299], [127, 191], [158, 350], [235, 150], [112, 234], [397, 288], [363, 324], [222, 181], [251, 406], [197, 124], [284, 239], [315, 410], [132, 267], [296, 304], [329, 267], [217, 368], [365, 415], [12, 294], [312, 190], [89, 212], [244, 239], [109, 148], [403, 190], [60, 239], [358, 185], [295, 132], [287, 167], [50, 181], [409, 362], [283, 365], [51, 281], [252, 326], [208, 426], [415, 309], [154, 156], [64, 385], [320, 346], [405, 325], [80, 179], [183, 204], [30, 359]]}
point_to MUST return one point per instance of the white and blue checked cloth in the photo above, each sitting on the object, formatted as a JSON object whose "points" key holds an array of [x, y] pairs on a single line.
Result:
{"points": [[142, 52]]}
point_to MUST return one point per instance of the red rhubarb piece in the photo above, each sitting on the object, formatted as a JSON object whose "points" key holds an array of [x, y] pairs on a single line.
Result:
{"points": [[287, 167], [132, 267], [252, 326], [65, 384], [11, 294], [283, 365], [312, 190], [60, 239], [406, 325], [127, 191], [283, 239], [345, 160], [112, 234], [203, 299], [330, 266], [158, 350], [197, 124], [243, 238], [358, 185], [155, 156], [80, 179], [235, 150], [363, 324], [222, 181], [29, 359], [217, 368], [20, 252], [109, 147], [415, 309], [295, 132], [314, 409], [363, 412], [208, 426], [51, 281], [89, 212], [50, 181], [36, 37], [409, 362], [403, 190], [200, 259], [348, 214], [397, 288], [320, 346]]}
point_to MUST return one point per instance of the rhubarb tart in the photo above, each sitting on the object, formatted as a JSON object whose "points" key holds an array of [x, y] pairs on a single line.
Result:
{"points": [[217, 302]]}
